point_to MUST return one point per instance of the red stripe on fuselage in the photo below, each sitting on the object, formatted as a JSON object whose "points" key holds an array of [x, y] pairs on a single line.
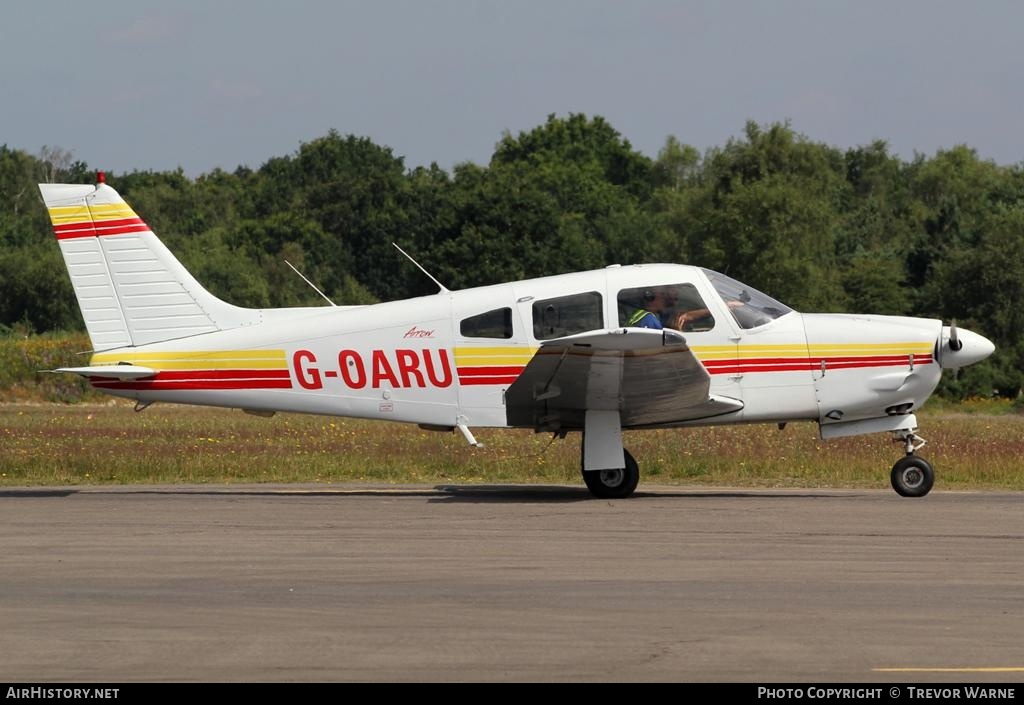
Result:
{"points": [[203, 379], [766, 361], [471, 381], [902, 362], [222, 374], [489, 371], [775, 364], [489, 374], [205, 384]]}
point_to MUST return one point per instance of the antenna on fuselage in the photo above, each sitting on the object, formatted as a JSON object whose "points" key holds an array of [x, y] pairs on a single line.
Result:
{"points": [[444, 289], [310, 283]]}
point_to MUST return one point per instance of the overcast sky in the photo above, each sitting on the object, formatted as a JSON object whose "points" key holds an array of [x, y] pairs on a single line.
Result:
{"points": [[203, 84]]}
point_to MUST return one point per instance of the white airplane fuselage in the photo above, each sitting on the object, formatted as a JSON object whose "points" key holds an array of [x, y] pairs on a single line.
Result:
{"points": [[408, 360]]}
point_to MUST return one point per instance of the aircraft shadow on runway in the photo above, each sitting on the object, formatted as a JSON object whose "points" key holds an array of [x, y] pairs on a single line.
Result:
{"points": [[560, 493], [438, 493]]}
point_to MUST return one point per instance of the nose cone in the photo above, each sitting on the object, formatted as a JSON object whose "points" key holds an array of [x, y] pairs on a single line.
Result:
{"points": [[972, 348]]}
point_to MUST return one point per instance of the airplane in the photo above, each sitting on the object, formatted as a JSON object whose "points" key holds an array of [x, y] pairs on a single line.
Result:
{"points": [[625, 347]]}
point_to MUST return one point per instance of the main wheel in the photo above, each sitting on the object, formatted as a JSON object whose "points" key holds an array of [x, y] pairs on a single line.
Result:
{"points": [[912, 476], [614, 484]]}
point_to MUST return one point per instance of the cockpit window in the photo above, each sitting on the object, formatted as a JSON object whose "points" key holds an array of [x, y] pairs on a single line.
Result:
{"points": [[676, 306], [748, 306]]}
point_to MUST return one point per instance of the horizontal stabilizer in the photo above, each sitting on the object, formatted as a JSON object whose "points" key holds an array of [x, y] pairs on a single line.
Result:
{"points": [[121, 372]]}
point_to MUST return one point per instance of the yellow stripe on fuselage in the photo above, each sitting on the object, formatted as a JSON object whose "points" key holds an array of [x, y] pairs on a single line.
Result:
{"points": [[199, 359], [720, 352], [916, 348], [728, 352], [521, 355], [491, 356]]}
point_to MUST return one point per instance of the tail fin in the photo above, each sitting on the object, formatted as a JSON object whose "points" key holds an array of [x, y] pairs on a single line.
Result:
{"points": [[131, 289]]}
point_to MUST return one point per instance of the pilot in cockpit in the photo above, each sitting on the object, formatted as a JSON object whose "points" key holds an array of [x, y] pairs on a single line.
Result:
{"points": [[656, 302], [657, 312]]}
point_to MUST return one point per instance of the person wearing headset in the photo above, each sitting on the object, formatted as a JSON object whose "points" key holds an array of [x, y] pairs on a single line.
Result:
{"points": [[658, 302]]}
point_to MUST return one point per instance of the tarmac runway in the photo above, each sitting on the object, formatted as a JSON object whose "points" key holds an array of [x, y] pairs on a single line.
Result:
{"points": [[471, 583]]}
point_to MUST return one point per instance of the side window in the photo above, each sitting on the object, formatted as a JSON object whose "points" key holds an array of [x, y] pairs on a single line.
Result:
{"points": [[555, 318], [492, 324], [676, 306]]}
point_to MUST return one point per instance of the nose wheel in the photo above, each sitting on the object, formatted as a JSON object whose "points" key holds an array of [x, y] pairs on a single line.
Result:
{"points": [[912, 476]]}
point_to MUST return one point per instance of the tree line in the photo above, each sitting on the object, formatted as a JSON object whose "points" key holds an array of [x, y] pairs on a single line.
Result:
{"points": [[818, 227]]}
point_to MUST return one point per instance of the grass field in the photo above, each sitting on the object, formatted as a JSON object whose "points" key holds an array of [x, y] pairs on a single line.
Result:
{"points": [[975, 446]]}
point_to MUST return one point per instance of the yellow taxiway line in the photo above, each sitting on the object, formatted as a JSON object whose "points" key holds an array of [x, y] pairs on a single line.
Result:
{"points": [[982, 669]]}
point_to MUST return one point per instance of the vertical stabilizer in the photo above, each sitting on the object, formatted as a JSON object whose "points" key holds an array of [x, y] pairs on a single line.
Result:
{"points": [[131, 289]]}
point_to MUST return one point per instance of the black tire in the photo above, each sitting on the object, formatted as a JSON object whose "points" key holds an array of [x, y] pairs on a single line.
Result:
{"points": [[912, 477], [614, 484]]}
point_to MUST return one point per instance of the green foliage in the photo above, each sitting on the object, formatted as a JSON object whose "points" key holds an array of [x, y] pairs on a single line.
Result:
{"points": [[983, 288], [590, 144], [23, 359], [35, 290], [873, 282], [817, 227]]}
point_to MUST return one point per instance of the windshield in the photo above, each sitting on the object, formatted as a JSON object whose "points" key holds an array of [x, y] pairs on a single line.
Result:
{"points": [[748, 306]]}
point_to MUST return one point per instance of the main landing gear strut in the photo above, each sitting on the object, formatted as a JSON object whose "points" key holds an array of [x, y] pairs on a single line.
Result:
{"points": [[911, 476]]}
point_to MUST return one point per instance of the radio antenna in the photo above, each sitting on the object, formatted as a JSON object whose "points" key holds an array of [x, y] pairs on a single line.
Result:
{"points": [[444, 289], [310, 283]]}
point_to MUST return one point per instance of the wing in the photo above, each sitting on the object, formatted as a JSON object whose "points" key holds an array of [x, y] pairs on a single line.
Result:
{"points": [[650, 376]]}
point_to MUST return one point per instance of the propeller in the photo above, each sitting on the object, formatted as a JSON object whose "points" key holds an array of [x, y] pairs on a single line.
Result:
{"points": [[955, 343]]}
